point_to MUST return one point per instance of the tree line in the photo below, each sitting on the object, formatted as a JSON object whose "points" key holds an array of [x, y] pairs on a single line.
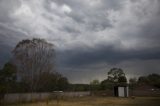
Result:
{"points": [[152, 80], [32, 69]]}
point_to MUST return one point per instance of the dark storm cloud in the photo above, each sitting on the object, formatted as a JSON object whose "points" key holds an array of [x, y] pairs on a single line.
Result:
{"points": [[82, 58], [90, 36], [5, 54], [9, 36], [8, 39]]}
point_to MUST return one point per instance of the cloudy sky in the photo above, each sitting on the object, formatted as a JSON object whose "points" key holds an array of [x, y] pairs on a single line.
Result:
{"points": [[90, 36]]}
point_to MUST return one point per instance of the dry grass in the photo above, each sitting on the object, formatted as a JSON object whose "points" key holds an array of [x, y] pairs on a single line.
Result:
{"points": [[99, 101]]}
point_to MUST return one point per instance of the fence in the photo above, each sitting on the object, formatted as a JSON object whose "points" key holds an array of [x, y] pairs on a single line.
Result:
{"points": [[145, 93], [138, 93], [27, 97]]}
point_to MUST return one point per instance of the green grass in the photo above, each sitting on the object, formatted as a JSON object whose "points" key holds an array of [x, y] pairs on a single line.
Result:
{"points": [[99, 101]]}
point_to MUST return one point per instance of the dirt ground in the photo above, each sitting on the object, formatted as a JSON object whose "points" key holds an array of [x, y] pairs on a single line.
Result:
{"points": [[97, 101]]}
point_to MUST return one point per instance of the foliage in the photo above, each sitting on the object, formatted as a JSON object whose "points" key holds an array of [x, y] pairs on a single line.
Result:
{"points": [[95, 85], [116, 75], [34, 69], [79, 87], [48, 81], [95, 82], [52, 82], [151, 79], [7, 79], [33, 58], [132, 83], [106, 84], [63, 83]]}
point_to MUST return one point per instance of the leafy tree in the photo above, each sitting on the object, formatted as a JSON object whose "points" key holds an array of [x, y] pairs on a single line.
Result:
{"points": [[116, 75], [63, 83], [132, 83], [133, 80], [95, 82], [122, 79], [7, 79], [8, 76], [52, 82], [106, 84], [95, 85], [79, 87], [152, 79], [33, 58], [143, 80]]}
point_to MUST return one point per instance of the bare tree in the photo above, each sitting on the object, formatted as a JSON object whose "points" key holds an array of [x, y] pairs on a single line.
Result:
{"points": [[33, 58]]}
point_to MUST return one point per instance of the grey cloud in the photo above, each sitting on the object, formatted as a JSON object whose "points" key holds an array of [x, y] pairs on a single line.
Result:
{"points": [[89, 39], [81, 58], [113, 4], [70, 30], [8, 39], [5, 52], [93, 18], [10, 36], [6, 8]]}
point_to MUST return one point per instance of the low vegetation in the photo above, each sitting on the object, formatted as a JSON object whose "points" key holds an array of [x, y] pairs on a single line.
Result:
{"points": [[99, 101]]}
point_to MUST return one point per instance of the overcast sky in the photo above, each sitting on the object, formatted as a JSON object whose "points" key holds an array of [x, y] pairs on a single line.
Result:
{"points": [[90, 36]]}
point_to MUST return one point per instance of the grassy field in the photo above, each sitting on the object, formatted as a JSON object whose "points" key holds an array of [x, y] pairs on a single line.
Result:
{"points": [[99, 101]]}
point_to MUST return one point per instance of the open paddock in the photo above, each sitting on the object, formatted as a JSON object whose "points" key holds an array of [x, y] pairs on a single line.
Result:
{"points": [[96, 101]]}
